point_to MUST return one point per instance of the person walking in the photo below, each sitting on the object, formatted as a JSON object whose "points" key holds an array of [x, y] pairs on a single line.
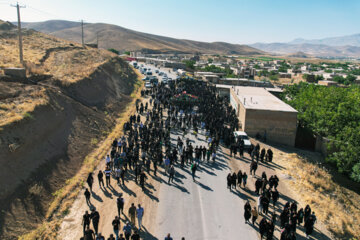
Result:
{"points": [[95, 218], [87, 195], [101, 178], [90, 181], [193, 171], [86, 221], [107, 173], [140, 214], [213, 156], [132, 213], [142, 180], [135, 236], [171, 174], [247, 211], [122, 176], [89, 234], [117, 175], [263, 227], [244, 179], [168, 237], [254, 214], [116, 226], [111, 237], [100, 237], [120, 204], [127, 230]]}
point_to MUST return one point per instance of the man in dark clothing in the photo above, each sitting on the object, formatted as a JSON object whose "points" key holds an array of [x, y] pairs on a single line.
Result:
{"points": [[87, 196], [253, 167], [101, 178], [90, 181], [274, 196], [135, 236], [116, 226], [89, 234], [122, 176], [258, 184], [193, 171], [142, 180], [171, 174], [263, 226], [86, 221], [95, 217], [120, 204]]}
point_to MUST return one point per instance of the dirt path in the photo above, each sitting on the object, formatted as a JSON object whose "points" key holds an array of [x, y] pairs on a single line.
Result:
{"points": [[286, 194]]}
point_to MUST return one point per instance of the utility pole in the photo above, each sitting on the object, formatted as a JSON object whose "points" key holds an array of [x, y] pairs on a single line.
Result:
{"points": [[82, 33], [19, 33]]}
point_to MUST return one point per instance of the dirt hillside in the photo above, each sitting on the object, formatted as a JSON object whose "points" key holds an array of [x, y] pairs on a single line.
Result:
{"points": [[50, 121]]}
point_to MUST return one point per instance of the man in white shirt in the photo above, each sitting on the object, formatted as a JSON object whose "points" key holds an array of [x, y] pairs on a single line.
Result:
{"points": [[107, 160]]}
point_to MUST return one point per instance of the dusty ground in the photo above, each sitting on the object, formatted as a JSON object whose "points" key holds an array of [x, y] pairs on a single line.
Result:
{"points": [[105, 202]]}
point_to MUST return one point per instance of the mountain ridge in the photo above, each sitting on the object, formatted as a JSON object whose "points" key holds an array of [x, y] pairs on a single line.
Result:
{"points": [[124, 39]]}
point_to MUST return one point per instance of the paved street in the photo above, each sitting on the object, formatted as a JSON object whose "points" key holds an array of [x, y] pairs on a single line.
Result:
{"points": [[204, 209]]}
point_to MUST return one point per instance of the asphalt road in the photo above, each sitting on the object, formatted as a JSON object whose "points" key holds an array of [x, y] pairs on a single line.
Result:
{"points": [[204, 209], [170, 74]]}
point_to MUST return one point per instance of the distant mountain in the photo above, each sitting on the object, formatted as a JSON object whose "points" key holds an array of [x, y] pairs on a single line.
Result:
{"points": [[337, 47], [112, 36], [50, 26], [316, 50], [351, 40]]}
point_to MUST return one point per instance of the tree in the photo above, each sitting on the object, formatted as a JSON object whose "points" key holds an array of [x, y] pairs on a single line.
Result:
{"points": [[190, 64], [114, 51], [210, 60], [127, 53], [334, 113]]}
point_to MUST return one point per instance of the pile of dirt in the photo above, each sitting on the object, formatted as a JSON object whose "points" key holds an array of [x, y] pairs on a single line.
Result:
{"points": [[40, 152]]}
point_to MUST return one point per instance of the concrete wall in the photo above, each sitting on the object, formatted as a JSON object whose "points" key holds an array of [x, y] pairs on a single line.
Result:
{"points": [[223, 92], [234, 101], [280, 127]]}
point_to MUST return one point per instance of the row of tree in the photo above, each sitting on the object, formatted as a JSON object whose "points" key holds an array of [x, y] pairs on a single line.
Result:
{"points": [[334, 113]]}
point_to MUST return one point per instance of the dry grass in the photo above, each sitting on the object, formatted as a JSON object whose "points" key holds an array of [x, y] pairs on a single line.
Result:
{"points": [[74, 65], [334, 205], [34, 48], [68, 65], [16, 109], [65, 196]]}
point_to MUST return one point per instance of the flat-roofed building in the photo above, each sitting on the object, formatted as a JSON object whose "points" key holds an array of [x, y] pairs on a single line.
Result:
{"points": [[260, 112]]}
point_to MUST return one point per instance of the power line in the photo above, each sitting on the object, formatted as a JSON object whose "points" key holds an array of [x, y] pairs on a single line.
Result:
{"points": [[19, 30], [82, 33]]}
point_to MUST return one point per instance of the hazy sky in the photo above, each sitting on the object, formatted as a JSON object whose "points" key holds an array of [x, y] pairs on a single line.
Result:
{"points": [[235, 21]]}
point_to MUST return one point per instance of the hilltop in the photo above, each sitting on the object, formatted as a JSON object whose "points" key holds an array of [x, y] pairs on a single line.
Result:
{"points": [[123, 39]]}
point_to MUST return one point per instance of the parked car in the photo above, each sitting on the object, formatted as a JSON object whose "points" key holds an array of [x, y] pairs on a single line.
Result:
{"points": [[146, 78], [240, 135], [156, 71], [148, 84]]}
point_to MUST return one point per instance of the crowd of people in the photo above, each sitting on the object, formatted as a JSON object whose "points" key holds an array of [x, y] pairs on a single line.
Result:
{"points": [[266, 189], [146, 146]]}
